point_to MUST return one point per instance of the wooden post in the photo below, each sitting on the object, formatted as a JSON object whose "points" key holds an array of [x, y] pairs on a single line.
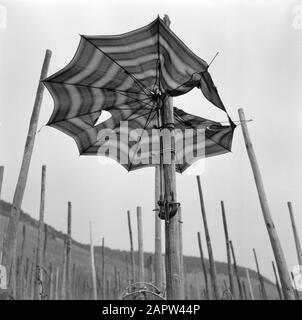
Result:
{"points": [[20, 274], [115, 283], [295, 287], [260, 276], [158, 243], [10, 240], [173, 269], [244, 290], [25, 280], [45, 242], [208, 240], [296, 237], [203, 266], [127, 269], [275, 242], [277, 281], [131, 249], [108, 286], [50, 281], [92, 264], [57, 284], [141, 267], [68, 255], [226, 233], [1, 178], [38, 293], [103, 270], [63, 283], [236, 271], [250, 285]]}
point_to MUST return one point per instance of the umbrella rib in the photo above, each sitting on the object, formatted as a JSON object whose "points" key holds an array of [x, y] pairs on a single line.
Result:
{"points": [[123, 93], [92, 112], [125, 70], [114, 129]]}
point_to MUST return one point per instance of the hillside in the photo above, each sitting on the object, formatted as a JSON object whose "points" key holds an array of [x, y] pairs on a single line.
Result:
{"points": [[116, 270]]}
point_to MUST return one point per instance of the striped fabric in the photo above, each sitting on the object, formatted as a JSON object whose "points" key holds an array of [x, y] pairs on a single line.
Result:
{"points": [[121, 74]]}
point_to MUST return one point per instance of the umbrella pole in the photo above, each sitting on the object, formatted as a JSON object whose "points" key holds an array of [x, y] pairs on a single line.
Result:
{"points": [[173, 270], [10, 241], [275, 242], [158, 244], [174, 280]]}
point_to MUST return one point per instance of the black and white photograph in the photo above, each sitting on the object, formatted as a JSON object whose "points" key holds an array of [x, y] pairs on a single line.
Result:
{"points": [[150, 151]]}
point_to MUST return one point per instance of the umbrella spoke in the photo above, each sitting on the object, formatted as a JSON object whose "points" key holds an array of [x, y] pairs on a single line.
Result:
{"points": [[125, 70]]}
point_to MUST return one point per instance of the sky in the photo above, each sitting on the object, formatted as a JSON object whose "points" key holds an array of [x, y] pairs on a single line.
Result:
{"points": [[258, 69]]}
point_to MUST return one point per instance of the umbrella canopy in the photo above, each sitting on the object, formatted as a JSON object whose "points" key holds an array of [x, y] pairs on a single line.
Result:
{"points": [[131, 75]]}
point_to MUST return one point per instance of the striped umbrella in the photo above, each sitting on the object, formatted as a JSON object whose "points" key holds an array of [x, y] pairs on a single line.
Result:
{"points": [[131, 75]]}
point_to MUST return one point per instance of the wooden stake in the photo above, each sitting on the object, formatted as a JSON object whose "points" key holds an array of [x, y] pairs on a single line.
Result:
{"points": [[277, 281], [127, 269], [141, 267], [45, 242], [57, 284], [295, 287], [244, 290], [275, 242], [131, 249], [296, 237], [92, 264], [208, 240], [103, 270], [38, 294], [236, 271], [68, 254], [10, 240], [250, 285], [226, 233], [203, 266], [25, 279], [20, 274], [50, 281], [1, 178], [63, 283], [173, 269], [264, 294], [115, 283], [158, 242]]}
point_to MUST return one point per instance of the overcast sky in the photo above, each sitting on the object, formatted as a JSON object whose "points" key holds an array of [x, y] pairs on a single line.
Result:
{"points": [[258, 68]]}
